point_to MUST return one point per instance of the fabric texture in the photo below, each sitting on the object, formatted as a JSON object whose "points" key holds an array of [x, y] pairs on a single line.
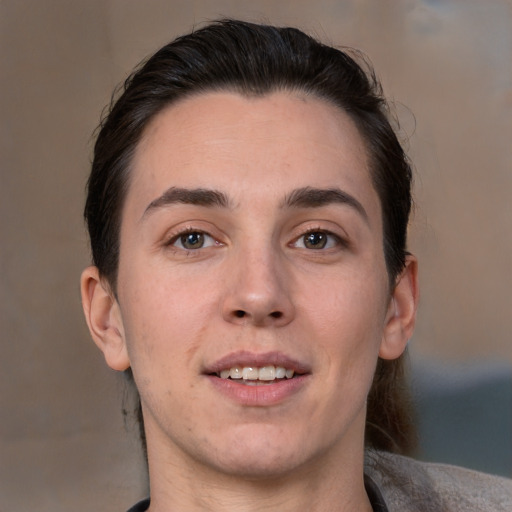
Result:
{"points": [[374, 495], [396, 484], [407, 484]]}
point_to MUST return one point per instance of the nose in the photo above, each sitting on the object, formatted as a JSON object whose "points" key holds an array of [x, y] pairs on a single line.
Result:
{"points": [[259, 290]]}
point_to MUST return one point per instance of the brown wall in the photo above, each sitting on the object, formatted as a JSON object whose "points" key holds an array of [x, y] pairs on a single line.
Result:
{"points": [[448, 64]]}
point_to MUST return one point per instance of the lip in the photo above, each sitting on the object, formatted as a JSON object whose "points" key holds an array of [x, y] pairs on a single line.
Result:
{"points": [[247, 358], [263, 395]]}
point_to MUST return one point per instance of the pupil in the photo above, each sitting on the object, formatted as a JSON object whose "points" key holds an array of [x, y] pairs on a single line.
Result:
{"points": [[315, 240], [192, 240]]}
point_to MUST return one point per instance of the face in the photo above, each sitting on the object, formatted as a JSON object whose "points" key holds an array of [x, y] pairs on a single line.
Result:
{"points": [[253, 298]]}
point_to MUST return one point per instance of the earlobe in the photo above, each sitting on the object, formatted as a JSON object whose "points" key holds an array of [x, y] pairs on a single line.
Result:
{"points": [[401, 314], [103, 318]]}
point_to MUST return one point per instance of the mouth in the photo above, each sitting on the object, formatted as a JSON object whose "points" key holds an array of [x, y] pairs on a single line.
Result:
{"points": [[256, 376], [257, 369], [258, 380]]}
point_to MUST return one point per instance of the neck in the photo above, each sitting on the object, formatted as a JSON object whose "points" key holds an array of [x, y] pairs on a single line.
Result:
{"points": [[333, 482]]}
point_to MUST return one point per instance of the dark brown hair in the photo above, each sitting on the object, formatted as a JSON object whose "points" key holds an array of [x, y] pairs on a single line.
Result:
{"points": [[255, 60]]}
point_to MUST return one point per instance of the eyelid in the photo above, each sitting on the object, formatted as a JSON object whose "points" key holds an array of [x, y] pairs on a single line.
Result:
{"points": [[177, 239], [338, 240], [172, 239]]}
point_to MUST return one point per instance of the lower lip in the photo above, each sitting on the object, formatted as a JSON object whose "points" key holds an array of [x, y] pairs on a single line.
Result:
{"points": [[260, 395]]}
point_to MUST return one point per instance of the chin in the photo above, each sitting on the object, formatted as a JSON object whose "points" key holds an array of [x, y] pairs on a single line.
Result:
{"points": [[262, 468], [260, 455]]}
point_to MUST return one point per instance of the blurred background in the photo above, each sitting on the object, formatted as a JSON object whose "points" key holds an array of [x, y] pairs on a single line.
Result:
{"points": [[447, 65]]}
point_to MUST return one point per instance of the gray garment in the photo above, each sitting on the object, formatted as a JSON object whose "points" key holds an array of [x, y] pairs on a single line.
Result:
{"points": [[411, 486]]}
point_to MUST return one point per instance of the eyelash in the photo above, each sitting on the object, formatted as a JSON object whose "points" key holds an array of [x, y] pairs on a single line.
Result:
{"points": [[338, 241], [178, 237], [335, 240]]}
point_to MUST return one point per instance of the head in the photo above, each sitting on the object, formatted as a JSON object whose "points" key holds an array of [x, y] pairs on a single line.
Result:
{"points": [[254, 62]]}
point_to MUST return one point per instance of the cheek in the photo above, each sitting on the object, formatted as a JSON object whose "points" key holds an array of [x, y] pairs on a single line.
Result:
{"points": [[163, 330], [349, 302], [348, 319], [164, 317]]}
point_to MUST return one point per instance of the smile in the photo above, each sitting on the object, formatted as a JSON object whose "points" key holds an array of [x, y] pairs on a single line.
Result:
{"points": [[253, 375], [258, 380]]}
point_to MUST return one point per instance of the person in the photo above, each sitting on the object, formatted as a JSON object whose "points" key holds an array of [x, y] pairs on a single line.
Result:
{"points": [[247, 209]]}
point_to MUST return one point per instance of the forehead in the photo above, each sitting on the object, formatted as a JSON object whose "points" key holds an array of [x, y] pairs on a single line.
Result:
{"points": [[250, 146]]}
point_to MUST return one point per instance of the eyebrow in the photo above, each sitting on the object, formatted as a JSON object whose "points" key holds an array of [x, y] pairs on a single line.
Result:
{"points": [[306, 197], [195, 196], [309, 197]]}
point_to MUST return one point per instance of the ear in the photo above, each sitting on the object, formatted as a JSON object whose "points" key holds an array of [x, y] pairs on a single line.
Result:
{"points": [[104, 319], [401, 314]]}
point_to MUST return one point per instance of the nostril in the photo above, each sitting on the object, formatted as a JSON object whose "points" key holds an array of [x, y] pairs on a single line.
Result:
{"points": [[240, 313]]}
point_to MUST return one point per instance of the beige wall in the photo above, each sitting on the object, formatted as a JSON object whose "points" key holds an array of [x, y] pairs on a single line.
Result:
{"points": [[447, 63]]}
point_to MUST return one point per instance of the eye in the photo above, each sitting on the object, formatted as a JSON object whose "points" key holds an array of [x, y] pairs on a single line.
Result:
{"points": [[192, 240], [317, 240]]}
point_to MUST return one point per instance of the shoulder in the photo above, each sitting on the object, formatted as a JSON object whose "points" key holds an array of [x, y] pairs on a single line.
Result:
{"points": [[407, 484]]}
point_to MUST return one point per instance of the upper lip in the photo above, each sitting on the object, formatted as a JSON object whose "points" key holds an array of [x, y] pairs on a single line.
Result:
{"points": [[245, 358]]}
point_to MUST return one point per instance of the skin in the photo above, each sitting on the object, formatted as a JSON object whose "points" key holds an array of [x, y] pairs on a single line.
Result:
{"points": [[257, 286]]}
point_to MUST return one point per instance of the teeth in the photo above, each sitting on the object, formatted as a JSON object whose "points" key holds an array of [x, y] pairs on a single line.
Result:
{"points": [[281, 372], [267, 373], [235, 372], [252, 373]]}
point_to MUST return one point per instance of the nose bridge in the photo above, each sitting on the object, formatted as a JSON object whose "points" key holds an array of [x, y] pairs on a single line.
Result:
{"points": [[260, 285]]}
